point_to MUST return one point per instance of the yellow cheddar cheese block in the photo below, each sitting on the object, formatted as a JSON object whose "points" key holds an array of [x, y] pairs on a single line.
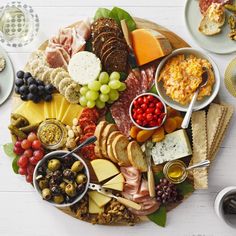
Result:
{"points": [[33, 112], [73, 111], [104, 169], [63, 108], [94, 208], [149, 45], [116, 183], [100, 199]]}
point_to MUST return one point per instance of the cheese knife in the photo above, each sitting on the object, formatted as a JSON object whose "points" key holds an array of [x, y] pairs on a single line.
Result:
{"points": [[124, 201]]}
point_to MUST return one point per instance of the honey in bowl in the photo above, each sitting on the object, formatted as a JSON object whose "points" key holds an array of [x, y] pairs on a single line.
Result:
{"points": [[175, 171]]}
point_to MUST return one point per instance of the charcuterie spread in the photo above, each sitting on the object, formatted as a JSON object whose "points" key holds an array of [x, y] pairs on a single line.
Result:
{"points": [[93, 136]]}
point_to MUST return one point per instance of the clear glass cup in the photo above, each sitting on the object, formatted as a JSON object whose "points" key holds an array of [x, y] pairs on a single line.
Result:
{"points": [[19, 24]]}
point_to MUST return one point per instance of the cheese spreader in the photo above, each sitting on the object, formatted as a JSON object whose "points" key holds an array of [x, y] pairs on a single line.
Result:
{"points": [[106, 192]]}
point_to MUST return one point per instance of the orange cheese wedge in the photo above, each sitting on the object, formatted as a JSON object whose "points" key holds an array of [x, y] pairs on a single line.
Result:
{"points": [[149, 45]]}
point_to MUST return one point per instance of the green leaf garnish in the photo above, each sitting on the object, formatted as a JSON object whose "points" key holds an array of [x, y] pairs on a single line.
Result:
{"points": [[102, 13], [109, 118], [159, 216], [185, 188], [8, 149], [158, 176], [15, 167], [119, 14], [153, 89]]}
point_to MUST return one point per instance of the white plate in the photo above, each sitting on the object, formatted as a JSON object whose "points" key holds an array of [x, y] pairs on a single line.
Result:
{"points": [[6, 78], [199, 104], [219, 43]]}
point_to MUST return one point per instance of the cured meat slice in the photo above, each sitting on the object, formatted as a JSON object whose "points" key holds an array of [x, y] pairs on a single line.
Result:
{"points": [[204, 4], [136, 84]]}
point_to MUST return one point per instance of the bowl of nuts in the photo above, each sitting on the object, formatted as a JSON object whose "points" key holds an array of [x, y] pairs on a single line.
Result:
{"points": [[61, 181]]}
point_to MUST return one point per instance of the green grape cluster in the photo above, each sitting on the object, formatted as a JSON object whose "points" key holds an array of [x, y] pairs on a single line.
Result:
{"points": [[104, 90]]}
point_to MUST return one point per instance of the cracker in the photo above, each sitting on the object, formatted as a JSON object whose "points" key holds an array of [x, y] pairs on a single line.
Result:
{"points": [[214, 116], [199, 133], [222, 131]]}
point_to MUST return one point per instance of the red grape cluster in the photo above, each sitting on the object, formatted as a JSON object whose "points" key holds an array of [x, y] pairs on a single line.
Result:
{"points": [[31, 152]]}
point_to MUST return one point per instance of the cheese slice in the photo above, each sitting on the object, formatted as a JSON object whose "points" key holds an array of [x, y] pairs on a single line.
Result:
{"points": [[73, 111], [94, 208], [104, 169], [63, 108], [149, 45], [47, 110], [175, 145], [116, 183], [100, 199], [57, 101]]}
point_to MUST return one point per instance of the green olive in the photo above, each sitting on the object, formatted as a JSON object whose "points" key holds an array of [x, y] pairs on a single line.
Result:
{"points": [[43, 183], [81, 178], [70, 190], [62, 186], [77, 166], [54, 165], [58, 199], [46, 193]]}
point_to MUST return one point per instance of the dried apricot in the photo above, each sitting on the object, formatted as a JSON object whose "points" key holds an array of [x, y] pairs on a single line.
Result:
{"points": [[172, 112], [134, 131], [144, 135], [179, 120], [170, 125], [158, 135]]}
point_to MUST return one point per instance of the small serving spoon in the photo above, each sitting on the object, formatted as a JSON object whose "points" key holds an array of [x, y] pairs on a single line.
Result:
{"points": [[199, 165], [88, 141], [189, 112]]}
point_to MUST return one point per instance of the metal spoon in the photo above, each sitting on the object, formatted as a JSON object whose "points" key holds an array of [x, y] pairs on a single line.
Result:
{"points": [[189, 112], [88, 141], [199, 165]]}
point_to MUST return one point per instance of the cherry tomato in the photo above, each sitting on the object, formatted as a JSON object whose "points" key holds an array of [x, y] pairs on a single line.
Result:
{"points": [[140, 117], [26, 144], [18, 150], [155, 117], [134, 110], [150, 110], [152, 123], [140, 100], [23, 161], [144, 106], [157, 111], [22, 171], [149, 117], [159, 121], [136, 103], [145, 100], [135, 115], [151, 104], [29, 178], [38, 154], [36, 144], [145, 122], [139, 111], [150, 98], [159, 105], [139, 122], [33, 161], [162, 115], [28, 152], [32, 136]]}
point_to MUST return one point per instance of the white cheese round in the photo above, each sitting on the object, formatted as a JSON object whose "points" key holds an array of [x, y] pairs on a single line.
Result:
{"points": [[84, 67]]}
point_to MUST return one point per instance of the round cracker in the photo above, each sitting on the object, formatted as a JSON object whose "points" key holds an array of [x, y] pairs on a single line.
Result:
{"points": [[38, 72], [46, 76], [72, 93], [64, 85], [54, 73], [59, 77]]}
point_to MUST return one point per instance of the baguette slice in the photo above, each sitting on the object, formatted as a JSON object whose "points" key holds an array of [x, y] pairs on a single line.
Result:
{"points": [[110, 152], [119, 146], [98, 133], [136, 156], [106, 132], [210, 27]]}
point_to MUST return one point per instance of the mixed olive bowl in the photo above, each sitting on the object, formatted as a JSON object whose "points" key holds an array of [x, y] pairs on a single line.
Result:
{"points": [[59, 156]]}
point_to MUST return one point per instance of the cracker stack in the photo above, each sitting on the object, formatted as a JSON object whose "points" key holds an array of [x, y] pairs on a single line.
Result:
{"points": [[208, 130]]}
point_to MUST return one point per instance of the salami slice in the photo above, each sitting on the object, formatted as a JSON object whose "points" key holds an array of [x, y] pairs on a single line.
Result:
{"points": [[88, 152], [86, 121], [204, 4], [90, 129]]}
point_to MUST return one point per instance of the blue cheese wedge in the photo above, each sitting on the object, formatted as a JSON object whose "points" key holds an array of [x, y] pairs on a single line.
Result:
{"points": [[84, 67], [175, 145]]}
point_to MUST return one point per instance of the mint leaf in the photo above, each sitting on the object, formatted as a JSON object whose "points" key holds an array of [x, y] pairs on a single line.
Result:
{"points": [[15, 167], [153, 89], [8, 149], [159, 216], [109, 118], [185, 188], [102, 13], [119, 14]]}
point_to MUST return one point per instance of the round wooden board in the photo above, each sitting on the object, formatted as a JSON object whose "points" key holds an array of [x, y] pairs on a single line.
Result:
{"points": [[175, 41]]}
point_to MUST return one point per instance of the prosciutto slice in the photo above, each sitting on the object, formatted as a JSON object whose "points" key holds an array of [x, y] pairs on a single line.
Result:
{"points": [[136, 83], [66, 43], [136, 189], [204, 4]]}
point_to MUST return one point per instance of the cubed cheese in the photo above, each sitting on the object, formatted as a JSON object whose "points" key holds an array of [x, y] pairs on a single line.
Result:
{"points": [[175, 145]]}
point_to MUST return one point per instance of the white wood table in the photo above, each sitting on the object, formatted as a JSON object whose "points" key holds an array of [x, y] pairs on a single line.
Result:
{"points": [[23, 213]]}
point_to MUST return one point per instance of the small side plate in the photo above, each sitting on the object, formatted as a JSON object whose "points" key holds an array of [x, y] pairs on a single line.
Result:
{"points": [[6, 78], [230, 77], [219, 43]]}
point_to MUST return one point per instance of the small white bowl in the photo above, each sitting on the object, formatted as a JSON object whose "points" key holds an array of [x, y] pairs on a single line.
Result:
{"points": [[218, 205], [57, 155], [198, 104], [131, 106]]}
